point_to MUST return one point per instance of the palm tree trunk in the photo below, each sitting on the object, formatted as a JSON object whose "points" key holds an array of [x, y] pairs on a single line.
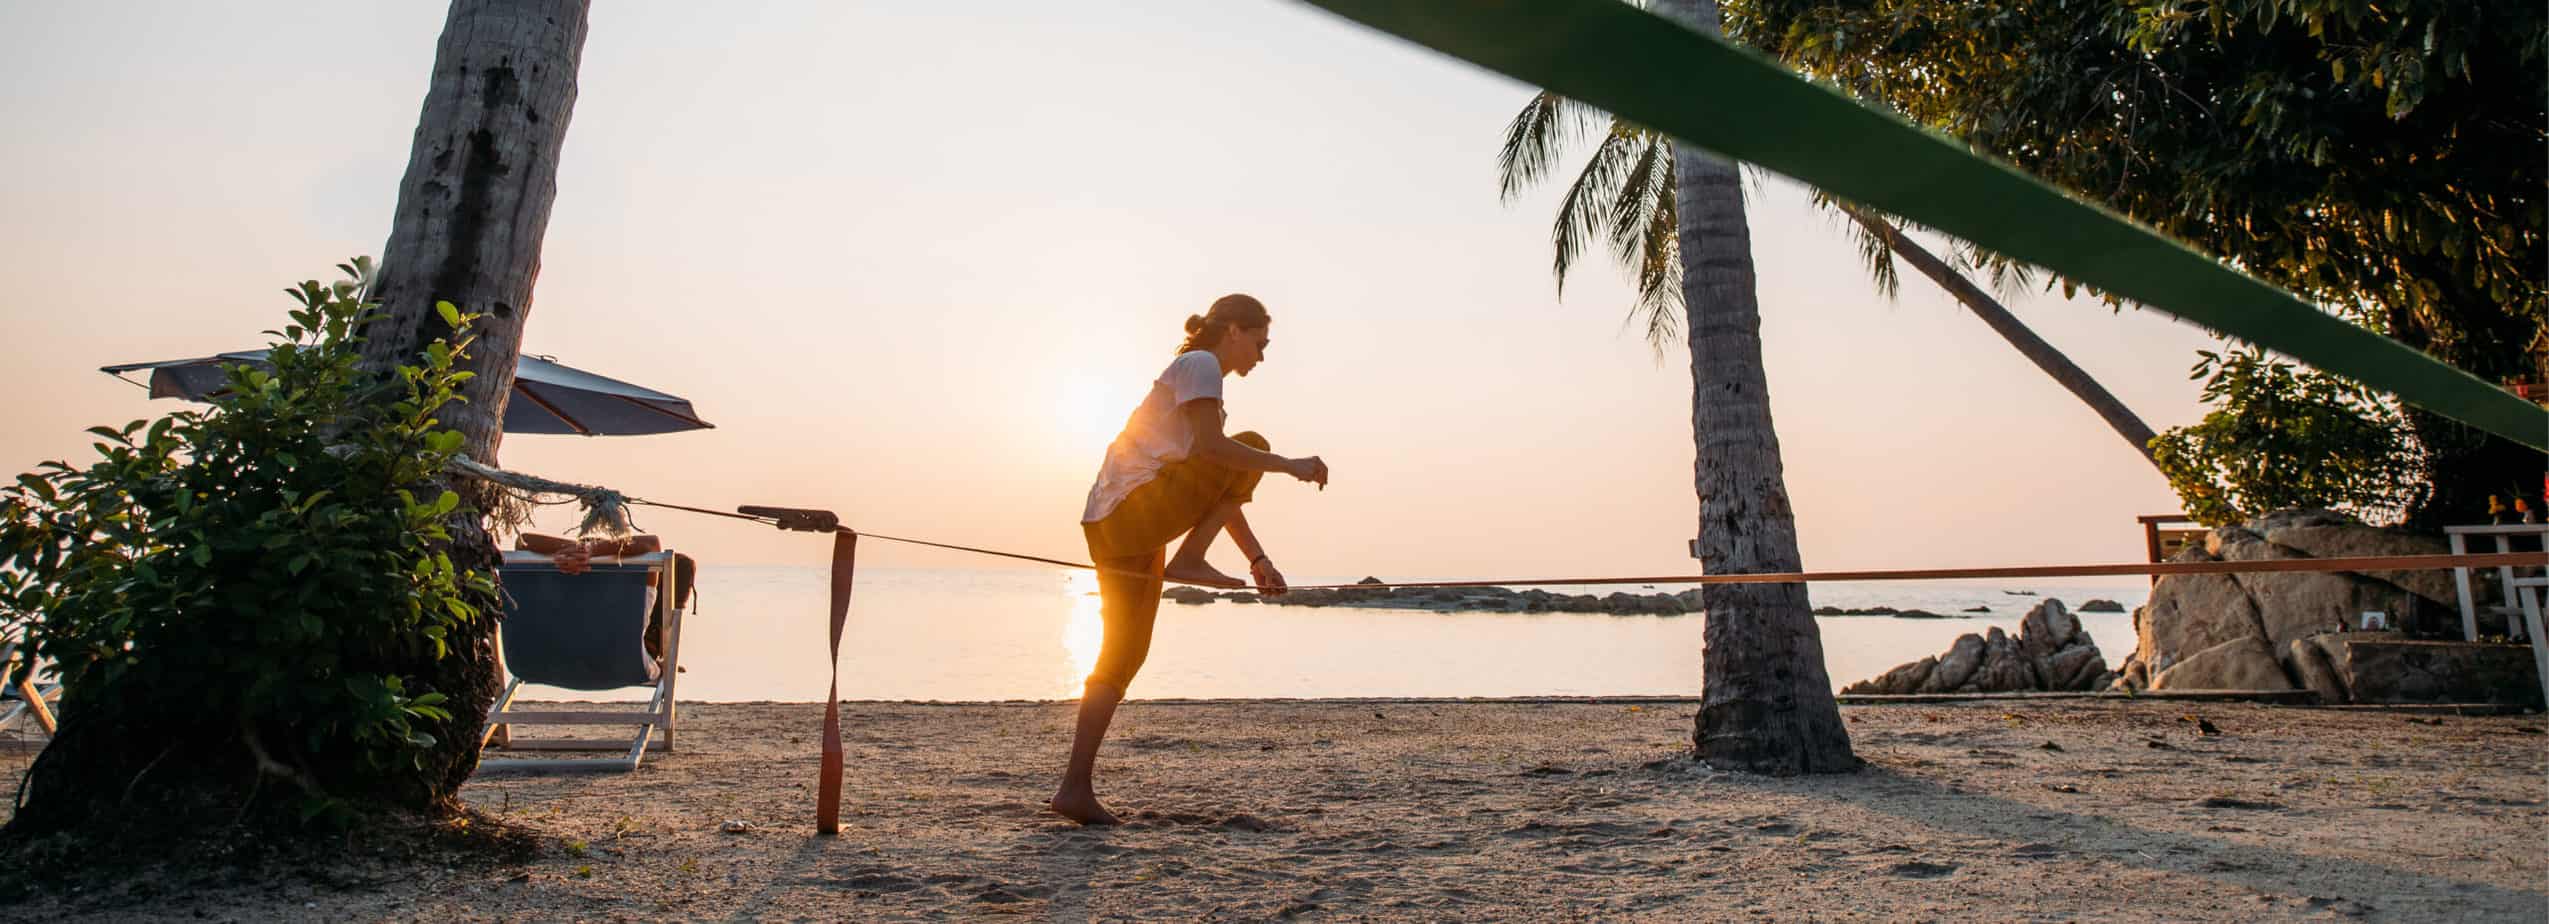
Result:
{"points": [[2065, 373], [1766, 702], [472, 209]]}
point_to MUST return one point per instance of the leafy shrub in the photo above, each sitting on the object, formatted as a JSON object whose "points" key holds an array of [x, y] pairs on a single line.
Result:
{"points": [[2281, 435], [247, 574]]}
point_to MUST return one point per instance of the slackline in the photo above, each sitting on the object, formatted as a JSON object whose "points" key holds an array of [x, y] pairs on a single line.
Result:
{"points": [[827, 800], [1706, 91], [825, 521], [827, 810]]}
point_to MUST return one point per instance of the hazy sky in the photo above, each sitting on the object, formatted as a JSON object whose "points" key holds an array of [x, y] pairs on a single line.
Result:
{"points": [[917, 260]]}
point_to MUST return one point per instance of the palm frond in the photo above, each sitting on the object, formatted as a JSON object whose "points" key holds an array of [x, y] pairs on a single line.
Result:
{"points": [[1876, 251], [1659, 270], [1535, 140], [2009, 278], [1585, 211], [1648, 183]]}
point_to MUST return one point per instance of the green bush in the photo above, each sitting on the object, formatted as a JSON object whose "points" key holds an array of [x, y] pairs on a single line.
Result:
{"points": [[2280, 436], [258, 567]]}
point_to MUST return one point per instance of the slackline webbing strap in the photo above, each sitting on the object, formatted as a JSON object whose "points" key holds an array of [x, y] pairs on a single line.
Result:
{"points": [[1706, 91], [827, 799]]}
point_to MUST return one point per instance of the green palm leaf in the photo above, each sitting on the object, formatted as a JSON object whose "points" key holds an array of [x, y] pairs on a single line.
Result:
{"points": [[1585, 211]]}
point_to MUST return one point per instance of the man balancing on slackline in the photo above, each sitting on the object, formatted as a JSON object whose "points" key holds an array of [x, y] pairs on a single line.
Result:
{"points": [[1171, 472]]}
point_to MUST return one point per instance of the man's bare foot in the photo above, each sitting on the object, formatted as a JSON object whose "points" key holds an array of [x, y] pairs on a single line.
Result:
{"points": [[1201, 573], [1083, 808]]}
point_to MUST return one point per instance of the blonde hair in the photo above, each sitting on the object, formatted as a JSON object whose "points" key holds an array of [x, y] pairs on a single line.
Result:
{"points": [[1229, 312]]}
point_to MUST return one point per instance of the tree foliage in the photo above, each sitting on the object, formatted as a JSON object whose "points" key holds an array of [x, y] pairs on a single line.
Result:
{"points": [[2383, 161], [2282, 436], [235, 586]]}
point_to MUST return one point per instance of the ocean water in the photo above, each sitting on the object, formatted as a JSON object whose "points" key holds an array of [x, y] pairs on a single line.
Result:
{"points": [[929, 634]]}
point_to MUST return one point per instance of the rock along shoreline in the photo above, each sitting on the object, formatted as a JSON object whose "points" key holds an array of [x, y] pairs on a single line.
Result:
{"points": [[1372, 593]]}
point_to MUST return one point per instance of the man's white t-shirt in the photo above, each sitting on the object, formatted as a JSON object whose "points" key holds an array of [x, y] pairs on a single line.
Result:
{"points": [[1156, 434]]}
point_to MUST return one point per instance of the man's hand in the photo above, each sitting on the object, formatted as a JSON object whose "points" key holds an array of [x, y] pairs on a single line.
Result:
{"points": [[573, 559], [1269, 580]]}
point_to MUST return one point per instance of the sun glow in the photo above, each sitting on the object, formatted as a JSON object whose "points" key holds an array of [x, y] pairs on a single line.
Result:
{"points": [[1083, 632], [1087, 415]]}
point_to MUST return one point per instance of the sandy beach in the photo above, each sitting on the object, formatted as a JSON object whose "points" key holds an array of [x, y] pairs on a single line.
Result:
{"points": [[1505, 810]]}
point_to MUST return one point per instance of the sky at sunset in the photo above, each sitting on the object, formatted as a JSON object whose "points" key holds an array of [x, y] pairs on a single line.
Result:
{"points": [[917, 261]]}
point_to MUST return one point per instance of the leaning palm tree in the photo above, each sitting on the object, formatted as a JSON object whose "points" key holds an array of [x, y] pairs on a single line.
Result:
{"points": [[1624, 197]]}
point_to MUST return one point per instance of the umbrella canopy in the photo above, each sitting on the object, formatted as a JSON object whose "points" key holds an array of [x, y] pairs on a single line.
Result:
{"points": [[548, 397]]}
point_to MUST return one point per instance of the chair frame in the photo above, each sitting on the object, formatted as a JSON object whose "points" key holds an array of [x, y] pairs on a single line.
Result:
{"points": [[33, 698], [658, 716]]}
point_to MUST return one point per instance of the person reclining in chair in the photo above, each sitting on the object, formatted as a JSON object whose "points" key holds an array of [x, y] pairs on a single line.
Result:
{"points": [[575, 556]]}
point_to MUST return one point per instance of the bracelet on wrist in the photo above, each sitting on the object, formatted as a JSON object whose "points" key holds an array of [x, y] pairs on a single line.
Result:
{"points": [[1260, 559]]}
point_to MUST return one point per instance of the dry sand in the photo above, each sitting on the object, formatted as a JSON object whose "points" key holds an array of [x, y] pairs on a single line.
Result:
{"points": [[1512, 810]]}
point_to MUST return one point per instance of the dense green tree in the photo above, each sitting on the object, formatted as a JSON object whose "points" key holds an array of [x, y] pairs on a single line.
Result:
{"points": [[248, 606], [2384, 161]]}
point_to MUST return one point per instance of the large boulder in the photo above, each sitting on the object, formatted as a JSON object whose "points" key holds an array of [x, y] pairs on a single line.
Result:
{"points": [[2046, 629], [2310, 663], [1903, 679], [2239, 664], [2192, 612], [2078, 667], [2401, 670], [1962, 657], [2299, 604], [2432, 586], [2004, 668]]}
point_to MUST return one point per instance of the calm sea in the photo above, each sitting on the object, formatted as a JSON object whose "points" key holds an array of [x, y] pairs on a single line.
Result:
{"points": [[922, 634]]}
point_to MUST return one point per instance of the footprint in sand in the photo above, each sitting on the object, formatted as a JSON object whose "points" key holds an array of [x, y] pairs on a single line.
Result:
{"points": [[1916, 869]]}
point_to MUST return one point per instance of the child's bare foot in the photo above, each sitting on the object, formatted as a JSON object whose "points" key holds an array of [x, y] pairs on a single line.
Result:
{"points": [[1200, 573], [1082, 807]]}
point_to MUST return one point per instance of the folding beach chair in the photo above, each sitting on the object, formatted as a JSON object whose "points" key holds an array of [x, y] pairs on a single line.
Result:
{"points": [[586, 632], [28, 697]]}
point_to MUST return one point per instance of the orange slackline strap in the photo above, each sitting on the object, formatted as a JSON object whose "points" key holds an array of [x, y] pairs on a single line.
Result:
{"points": [[827, 797]]}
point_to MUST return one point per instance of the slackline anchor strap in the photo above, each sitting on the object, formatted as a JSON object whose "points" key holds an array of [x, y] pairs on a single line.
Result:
{"points": [[827, 798]]}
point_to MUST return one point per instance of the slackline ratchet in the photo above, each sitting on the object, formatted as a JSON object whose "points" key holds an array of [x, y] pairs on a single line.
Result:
{"points": [[827, 803], [1706, 91]]}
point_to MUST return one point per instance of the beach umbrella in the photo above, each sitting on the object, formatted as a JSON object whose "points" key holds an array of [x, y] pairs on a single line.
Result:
{"points": [[548, 396]]}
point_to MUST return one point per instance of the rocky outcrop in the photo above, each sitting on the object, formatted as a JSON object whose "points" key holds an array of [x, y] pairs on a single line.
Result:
{"points": [[2283, 613], [1962, 657], [2388, 669], [2188, 613], [2101, 606], [2239, 664], [2310, 665], [1904, 677], [2050, 653], [2004, 669], [1188, 595]]}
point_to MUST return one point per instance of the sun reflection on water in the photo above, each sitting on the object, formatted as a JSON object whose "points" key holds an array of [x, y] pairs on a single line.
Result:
{"points": [[1082, 632]]}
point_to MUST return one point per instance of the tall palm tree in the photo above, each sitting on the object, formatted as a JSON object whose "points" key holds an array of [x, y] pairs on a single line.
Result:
{"points": [[482, 173], [1624, 197], [1766, 702]]}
